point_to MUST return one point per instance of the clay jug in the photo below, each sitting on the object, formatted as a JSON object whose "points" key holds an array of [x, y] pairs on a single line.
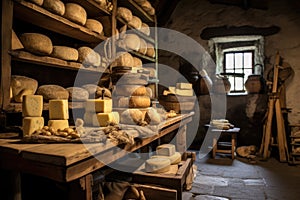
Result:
{"points": [[253, 84]]}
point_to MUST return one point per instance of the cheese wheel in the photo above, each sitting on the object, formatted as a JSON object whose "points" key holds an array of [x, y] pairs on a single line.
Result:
{"points": [[122, 102], [32, 106], [130, 90], [124, 13], [135, 22], [21, 85], [55, 6], [145, 29], [37, 2], [95, 91], [32, 124], [151, 11], [88, 57], [157, 165], [166, 150], [77, 94], [150, 50], [143, 47], [132, 42], [37, 43], [146, 6], [137, 62], [139, 102], [152, 117], [174, 159], [52, 92], [65, 53], [149, 92], [123, 59], [132, 79], [94, 25], [75, 13], [58, 109], [132, 116]]}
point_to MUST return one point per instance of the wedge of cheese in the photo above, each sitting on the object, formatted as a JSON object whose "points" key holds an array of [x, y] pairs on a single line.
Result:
{"points": [[184, 86], [31, 124], [32, 106], [58, 124], [165, 150], [157, 165], [181, 92], [103, 119], [99, 105], [58, 109]]}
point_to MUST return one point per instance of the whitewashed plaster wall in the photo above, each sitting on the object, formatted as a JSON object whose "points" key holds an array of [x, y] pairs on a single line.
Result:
{"points": [[192, 16]]}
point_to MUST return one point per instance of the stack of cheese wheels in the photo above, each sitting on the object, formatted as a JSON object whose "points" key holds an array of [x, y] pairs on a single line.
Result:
{"points": [[98, 112], [32, 108], [168, 151], [58, 114]]}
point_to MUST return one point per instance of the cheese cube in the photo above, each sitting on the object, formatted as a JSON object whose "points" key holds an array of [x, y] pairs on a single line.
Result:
{"points": [[58, 124], [32, 106], [102, 119], [99, 105], [31, 124], [88, 118], [184, 86], [58, 109], [181, 92], [165, 150]]}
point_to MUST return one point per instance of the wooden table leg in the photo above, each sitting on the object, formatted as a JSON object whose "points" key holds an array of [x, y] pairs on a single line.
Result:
{"points": [[81, 188], [233, 144], [214, 149]]}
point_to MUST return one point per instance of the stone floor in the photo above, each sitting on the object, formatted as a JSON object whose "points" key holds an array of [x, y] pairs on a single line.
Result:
{"points": [[223, 179]]}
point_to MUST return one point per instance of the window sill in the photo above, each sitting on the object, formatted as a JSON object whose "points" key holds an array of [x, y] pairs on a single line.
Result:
{"points": [[237, 94]]}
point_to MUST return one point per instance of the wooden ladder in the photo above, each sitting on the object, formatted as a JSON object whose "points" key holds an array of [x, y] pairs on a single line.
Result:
{"points": [[274, 105]]}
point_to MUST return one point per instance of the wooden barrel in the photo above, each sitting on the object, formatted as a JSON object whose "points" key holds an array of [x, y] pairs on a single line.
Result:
{"points": [[253, 84]]}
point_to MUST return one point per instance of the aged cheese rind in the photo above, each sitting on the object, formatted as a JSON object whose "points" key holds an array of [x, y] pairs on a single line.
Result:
{"points": [[37, 2], [52, 92], [54, 6], [135, 22], [130, 90], [22, 85], [88, 56], [58, 109], [37, 43], [98, 105], [94, 25], [32, 106], [150, 50], [174, 159], [103, 119], [65, 53], [31, 124], [124, 13], [184, 86], [157, 165], [181, 92], [75, 13], [58, 124], [139, 102], [165, 150], [77, 94], [132, 116]]}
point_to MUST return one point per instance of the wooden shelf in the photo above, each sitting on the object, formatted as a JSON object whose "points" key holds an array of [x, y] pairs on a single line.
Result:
{"points": [[137, 10], [40, 17], [143, 56], [153, 80], [51, 62], [92, 8]]}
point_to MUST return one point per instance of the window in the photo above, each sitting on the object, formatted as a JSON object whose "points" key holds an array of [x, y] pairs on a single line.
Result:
{"points": [[238, 65]]}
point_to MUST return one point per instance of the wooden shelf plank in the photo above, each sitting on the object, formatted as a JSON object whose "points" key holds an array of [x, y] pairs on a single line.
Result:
{"points": [[137, 10], [50, 61], [143, 56], [40, 17], [92, 8]]}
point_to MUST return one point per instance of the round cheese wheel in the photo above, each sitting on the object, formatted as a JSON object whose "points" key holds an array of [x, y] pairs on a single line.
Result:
{"points": [[143, 47], [123, 59], [137, 62], [94, 25], [124, 13], [150, 50], [174, 159], [146, 5], [88, 56], [52, 92], [132, 42], [37, 2], [95, 91], [135, 22], [130, 90], [55, 6], [157, 165], [77, 94], [131, 79], [22, 85], [37, 43], [149, 92], [65, 53], [75, 13], [151, 11], [132, 116], [152, 117], [139, 102], [145, 29]]}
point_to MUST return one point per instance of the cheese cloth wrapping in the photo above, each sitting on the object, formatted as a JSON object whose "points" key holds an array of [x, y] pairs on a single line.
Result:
{"points": [[144, 131]]}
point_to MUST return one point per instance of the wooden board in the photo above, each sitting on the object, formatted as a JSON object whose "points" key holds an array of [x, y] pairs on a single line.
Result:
{"points": [[154, 192], [14, 146]]}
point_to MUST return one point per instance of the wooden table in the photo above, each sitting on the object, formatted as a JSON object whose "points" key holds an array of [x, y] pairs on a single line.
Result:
{"points": [[67, 163]]}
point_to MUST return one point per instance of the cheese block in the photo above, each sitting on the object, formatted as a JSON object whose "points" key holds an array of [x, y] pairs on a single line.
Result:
{"points": [[150, 50], [139, 102], [75, 13], [36, 43], [95, 91], [94, 25], [174, 159], [184, 86], [165, 150], [32, 106], [135, 22], [145, 29], [103, 119], [152, 117], [124, 13], [172, 90], [58, 124], [65, 53], [143, 47], [137, 62], [157, 165], [132, 42], [58, 109], [52, 92], [132, 116], [88, 57], [31, 124], [98, 105], [55, 6], [187, 93], [37, 2], [22, 85], [123, 59], [130, 90], [77, 94]]}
